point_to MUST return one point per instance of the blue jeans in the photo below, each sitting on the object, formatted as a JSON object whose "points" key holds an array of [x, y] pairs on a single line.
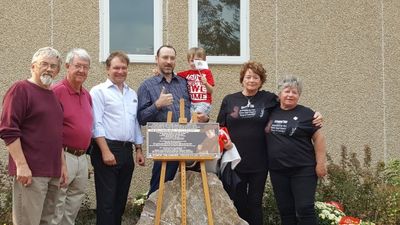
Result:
{"points": [[170, 172], [294, 190]]}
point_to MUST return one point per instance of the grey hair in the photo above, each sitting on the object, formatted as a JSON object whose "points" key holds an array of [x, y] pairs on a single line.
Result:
{"points": [[78, 52], [46, 52], [290, 81]]}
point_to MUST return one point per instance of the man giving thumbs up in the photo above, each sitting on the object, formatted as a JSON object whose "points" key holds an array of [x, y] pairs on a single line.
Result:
{"points": [[160, 94]]}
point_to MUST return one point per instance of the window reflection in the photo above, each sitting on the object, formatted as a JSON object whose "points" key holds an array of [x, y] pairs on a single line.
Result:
{"points": [[219, 27], [132, 26]]}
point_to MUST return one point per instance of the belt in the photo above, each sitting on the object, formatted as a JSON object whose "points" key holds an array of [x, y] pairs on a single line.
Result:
{"points": [[74, 151], [120, 143]]}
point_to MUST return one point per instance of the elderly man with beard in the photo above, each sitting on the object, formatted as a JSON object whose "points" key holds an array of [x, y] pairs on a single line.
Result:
{"points": [[31, 127], [77, 132]]}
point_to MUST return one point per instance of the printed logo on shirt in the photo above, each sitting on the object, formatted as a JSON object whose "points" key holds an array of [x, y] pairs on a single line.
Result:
{"points": [[279, 126], [284, 127], [197, 90], [247, 111]]}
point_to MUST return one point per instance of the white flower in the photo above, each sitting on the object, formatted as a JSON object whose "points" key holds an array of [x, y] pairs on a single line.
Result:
{"points": [[326, 212]]}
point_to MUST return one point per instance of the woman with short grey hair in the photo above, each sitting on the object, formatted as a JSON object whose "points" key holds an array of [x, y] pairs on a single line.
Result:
{"points": [[290, 81], [296, 155]]}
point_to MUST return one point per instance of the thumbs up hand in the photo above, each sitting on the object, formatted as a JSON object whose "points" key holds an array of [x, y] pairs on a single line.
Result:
{"points": [[164, 99]]}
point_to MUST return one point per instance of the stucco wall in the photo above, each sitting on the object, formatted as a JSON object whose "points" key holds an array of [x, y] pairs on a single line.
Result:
{"points": [[347, 53]]}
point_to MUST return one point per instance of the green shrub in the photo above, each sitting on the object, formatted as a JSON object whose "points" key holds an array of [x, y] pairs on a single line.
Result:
{"points": [[392, 173], [5, 195], [134, 208], [364, 191]]}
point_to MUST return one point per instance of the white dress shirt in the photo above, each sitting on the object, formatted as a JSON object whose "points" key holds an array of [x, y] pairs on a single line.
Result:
{"points": [[115, 113]]}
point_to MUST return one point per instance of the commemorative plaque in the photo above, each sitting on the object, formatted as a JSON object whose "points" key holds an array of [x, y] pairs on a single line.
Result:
{"points": [[180, 140]]}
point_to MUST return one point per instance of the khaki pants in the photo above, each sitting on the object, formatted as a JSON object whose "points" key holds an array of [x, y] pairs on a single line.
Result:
{"points": [[35, 204], [70, 198]]}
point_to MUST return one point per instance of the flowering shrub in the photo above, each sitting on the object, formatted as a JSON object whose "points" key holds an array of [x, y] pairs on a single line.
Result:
{"points": [[138, 204], [140, 200], [348, 220], [327, 213], [330, 214], [368, 192]]}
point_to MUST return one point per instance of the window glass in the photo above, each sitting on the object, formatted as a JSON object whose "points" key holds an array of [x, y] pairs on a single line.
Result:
{"points": [[219, 27], [131, 26]]}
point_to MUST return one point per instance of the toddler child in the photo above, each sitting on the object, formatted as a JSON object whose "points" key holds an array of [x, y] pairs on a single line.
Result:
{"points": [[200, 81]]}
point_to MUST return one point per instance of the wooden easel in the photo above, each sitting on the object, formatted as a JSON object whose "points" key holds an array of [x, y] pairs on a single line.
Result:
{"points": [[182, 165]]}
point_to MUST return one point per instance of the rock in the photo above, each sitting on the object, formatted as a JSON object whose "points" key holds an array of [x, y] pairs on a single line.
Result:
{"points": [[224, 212]]}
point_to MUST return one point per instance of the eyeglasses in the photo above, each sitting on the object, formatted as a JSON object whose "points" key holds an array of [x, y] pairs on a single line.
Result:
{"points": [[47, 65], [79, 66]]}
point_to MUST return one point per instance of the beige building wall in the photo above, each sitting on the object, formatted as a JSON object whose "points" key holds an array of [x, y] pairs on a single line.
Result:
{"points": [[347, 53]]}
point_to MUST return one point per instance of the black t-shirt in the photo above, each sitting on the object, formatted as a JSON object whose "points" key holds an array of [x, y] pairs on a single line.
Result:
{"points": [[246, 118], [289, 138]]}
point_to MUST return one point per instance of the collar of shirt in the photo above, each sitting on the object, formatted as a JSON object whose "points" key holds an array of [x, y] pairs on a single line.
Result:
{"points": [[121, 111], [109, 83], [160, 78], [71, 91]]}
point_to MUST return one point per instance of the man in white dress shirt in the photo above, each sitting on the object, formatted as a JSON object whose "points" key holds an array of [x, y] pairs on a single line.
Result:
{"points": [[116, 129]]}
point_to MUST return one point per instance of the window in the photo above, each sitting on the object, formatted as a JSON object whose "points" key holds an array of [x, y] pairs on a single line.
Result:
{"points": [[133, 26], [221, 28]]}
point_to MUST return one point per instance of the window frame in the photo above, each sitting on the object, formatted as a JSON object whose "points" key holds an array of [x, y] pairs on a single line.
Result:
{"points": [[104, 14], [244, 34]]}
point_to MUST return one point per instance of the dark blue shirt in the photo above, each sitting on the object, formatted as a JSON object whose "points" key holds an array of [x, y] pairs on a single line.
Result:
{"points": [[148, 93]]}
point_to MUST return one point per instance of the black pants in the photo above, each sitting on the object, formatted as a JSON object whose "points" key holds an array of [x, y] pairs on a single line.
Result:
{"points": [[248, 196], [170, 172], [112, 182], [294, 191]]}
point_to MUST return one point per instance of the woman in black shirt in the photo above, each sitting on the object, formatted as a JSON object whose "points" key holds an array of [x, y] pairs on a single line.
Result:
{"points": [[296, 154], [245, 115]]}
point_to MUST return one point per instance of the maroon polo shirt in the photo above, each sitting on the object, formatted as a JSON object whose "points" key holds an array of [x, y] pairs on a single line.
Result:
{"points": [[78, 117]]}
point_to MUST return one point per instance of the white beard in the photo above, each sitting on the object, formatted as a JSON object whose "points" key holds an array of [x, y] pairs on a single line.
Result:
{"points": [[46, 79]]}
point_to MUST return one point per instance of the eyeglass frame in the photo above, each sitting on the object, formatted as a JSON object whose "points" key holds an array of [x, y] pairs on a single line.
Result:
{"points": [[44, 64], [80, 66]]}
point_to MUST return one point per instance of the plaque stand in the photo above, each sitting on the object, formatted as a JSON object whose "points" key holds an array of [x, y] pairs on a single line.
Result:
{"points": [[182, 165]]}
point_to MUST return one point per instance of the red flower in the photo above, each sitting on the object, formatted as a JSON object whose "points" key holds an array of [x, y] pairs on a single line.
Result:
{"points": [[348, 220], [337, 205]]}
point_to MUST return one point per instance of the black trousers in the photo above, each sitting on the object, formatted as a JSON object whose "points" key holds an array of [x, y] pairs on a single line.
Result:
{"points": [[294, 191], [112, 182], [248, 196], [170, 173]]}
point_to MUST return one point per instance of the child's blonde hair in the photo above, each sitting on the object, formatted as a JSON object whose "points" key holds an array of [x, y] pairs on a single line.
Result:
{"points": [[196, 52]]}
